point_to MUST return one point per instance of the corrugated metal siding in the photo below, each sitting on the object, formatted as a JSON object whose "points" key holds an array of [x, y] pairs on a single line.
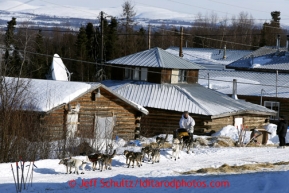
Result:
{"points": [[183, 97], [157, 58]]}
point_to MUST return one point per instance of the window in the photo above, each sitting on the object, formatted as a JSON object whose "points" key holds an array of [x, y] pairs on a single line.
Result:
{"points": [[273, 105], [136, 73], [144, 74], [127, 74], [182, 77]]}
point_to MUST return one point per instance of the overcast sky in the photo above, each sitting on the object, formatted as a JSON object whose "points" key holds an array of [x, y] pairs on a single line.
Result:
{"points": [[259, 9]]}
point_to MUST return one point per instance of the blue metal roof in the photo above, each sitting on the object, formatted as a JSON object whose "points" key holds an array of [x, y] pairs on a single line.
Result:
{"points": [[156, 58], [267, 57]]}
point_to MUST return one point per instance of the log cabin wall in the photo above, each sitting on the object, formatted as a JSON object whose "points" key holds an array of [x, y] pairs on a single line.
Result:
{"points": [[160, 121], [284, 103], [166, 75], [54, 123], [90, 106], [192, 76]]}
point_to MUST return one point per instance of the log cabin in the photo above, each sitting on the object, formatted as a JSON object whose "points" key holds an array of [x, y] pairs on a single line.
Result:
{"points": [[264, 88], [167, 86], [76, 109]]}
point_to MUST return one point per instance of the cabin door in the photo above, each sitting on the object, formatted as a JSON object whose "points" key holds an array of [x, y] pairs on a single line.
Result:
{"points": [[238, 123], [72, 122], [104, 127]]}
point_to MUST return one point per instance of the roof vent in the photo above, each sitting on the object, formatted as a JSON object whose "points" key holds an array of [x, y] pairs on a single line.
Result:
{"points": [[287, 46], [224, 56], [278, 43], [234, 94]]}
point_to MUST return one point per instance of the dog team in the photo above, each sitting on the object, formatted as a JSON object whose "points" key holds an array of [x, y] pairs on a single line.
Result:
{"points": [[183, 138]]}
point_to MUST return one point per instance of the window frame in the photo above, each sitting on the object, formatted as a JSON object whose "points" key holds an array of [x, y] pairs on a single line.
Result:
{"points": [[271, 105], [182, 77], [136, 73]]}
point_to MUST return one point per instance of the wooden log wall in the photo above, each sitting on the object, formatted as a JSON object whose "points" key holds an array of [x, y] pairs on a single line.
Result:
{"points": [[162, 121], [106, 106], [192, 76], [54, 123], [284, 103]]}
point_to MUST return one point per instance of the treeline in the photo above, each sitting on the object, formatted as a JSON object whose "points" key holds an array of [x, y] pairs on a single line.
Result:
{"points": [[28, 52]]}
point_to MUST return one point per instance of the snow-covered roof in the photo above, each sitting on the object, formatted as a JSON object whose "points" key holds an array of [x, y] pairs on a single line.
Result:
{"points": [[155, 58], [46, 95], [248, 83], [267, 57], [210, 58], [184, 97]]}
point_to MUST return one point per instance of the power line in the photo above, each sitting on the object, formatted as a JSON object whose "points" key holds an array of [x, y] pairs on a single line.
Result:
{"points": [[137, 34], [238, 6], [212, 39], [131, 68], [18, 5], [73, 8]]}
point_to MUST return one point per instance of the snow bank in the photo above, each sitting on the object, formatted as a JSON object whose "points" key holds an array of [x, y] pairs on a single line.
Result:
{"points": [[272, 138], [232, 132]]}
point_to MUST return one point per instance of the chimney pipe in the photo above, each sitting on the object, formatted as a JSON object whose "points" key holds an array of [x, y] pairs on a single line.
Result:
{"points": [[224, 55], [234, 94], [181, 42], [287, 43], [278, 43]]}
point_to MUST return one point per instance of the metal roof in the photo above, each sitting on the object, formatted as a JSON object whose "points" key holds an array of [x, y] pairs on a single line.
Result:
{"points": [[248, 83], [155, 58], [184, 97], [210, 58], [267, 57]]}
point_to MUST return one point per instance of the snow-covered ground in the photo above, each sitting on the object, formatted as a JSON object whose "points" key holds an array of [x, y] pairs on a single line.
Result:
{"points": [[166, 176], [51, 177]]}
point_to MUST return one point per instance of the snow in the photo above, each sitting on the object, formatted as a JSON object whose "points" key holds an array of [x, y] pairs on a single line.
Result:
{"points": [[44, 95], [58, 69], [49, 93], [72, 9], [217, 83], [51, 177], [139, 107], [232, 132], [273, 138], [259, 61]]}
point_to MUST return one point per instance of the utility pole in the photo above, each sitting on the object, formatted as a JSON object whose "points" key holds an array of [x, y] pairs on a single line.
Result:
{"points": [[149, 37], [101, 35], [181, 42], [276, 83]]}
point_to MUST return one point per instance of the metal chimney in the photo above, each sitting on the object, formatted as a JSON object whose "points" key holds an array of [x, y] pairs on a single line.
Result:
{"points": [[278, 43], [234, 94], [287, 43], [224, 55]]}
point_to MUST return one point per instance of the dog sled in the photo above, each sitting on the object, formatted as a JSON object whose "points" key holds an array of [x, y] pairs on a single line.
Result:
{"points": [[180, 133]]}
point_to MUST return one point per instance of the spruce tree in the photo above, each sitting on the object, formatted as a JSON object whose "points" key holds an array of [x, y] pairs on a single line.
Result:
{"points": [[39, 60], [11, 58]]}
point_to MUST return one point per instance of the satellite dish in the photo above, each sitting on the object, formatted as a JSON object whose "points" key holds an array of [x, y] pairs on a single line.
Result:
{"points": [[58, 69]]}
